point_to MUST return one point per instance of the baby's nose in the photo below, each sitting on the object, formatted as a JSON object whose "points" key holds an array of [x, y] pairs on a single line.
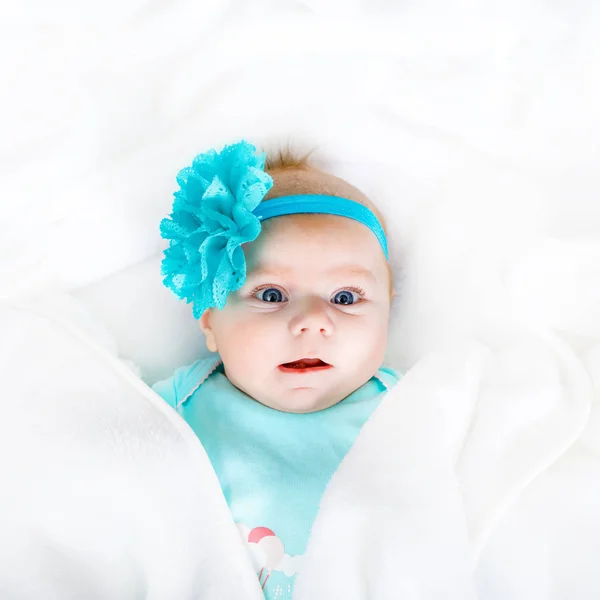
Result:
{"points": [[312, 317]]}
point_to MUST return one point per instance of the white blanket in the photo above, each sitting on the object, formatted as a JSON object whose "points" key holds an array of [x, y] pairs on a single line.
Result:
{"points": [[106, 492]]}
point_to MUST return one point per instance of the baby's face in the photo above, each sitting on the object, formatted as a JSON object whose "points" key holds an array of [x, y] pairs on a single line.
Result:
{"points": [[317, 288]]}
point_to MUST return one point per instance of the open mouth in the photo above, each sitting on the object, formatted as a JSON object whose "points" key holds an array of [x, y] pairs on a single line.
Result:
{"points": [[304, 364]]}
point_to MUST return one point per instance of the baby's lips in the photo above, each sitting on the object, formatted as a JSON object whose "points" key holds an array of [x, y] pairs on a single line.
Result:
{"points": [[305, 363]]}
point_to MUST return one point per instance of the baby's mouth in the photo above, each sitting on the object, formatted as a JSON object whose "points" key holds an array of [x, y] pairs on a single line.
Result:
{"points": [[305, 364]]}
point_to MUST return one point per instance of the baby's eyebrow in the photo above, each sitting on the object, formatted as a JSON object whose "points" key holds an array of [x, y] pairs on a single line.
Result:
{"points": [[353, 270], [283, 271]]}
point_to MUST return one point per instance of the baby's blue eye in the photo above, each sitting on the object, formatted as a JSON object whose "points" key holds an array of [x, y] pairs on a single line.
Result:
{"points": [[270, 295], [345, 297]]}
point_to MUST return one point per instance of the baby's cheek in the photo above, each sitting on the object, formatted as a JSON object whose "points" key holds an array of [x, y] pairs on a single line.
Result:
{"points": [[373, 339], [247, 340], [246, 332]]}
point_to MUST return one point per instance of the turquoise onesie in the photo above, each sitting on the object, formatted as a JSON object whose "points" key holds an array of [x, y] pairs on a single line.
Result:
{"points": [[273, 466]]}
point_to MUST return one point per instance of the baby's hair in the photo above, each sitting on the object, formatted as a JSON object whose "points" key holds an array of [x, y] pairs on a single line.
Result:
{"points": [[286, 158]]}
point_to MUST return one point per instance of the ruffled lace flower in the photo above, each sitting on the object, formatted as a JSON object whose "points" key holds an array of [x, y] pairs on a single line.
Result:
{"points": [[211, 218]]}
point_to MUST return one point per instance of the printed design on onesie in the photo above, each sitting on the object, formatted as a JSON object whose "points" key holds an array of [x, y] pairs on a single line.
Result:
{"points": [[269, 558]]}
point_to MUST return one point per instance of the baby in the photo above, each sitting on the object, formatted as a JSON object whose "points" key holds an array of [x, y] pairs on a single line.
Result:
{"points": [[292, 288]]}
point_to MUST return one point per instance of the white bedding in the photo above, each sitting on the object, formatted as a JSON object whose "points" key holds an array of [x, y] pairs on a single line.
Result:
{"points": [[474, 128]]}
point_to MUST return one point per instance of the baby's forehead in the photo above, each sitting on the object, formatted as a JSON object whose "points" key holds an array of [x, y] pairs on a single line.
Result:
{"points": [[295, 245], [290, 269]]}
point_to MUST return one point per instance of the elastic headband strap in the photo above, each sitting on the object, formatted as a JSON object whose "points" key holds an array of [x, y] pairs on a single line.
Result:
{"points": [[324, 205]]}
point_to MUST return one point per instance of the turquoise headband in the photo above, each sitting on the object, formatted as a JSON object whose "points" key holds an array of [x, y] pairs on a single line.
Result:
{"points": [[324, 205], [218, 208]]}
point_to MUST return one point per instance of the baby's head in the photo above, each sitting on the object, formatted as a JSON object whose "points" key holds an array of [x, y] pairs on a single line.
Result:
{"points": [[318, 287]]}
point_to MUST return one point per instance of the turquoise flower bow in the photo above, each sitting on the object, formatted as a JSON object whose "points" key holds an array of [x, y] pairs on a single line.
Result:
{"points": [[211, 218]]}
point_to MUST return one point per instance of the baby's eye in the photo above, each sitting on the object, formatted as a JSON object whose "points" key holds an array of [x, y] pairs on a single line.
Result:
{"points": [[270, 295], [346, 297]]}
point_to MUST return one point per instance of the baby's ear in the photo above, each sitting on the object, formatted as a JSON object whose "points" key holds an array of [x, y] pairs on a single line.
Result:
{"points": [[205, 327]]}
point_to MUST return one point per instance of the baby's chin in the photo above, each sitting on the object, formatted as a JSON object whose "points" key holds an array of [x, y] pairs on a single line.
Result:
{"points": [[301, 401]]}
